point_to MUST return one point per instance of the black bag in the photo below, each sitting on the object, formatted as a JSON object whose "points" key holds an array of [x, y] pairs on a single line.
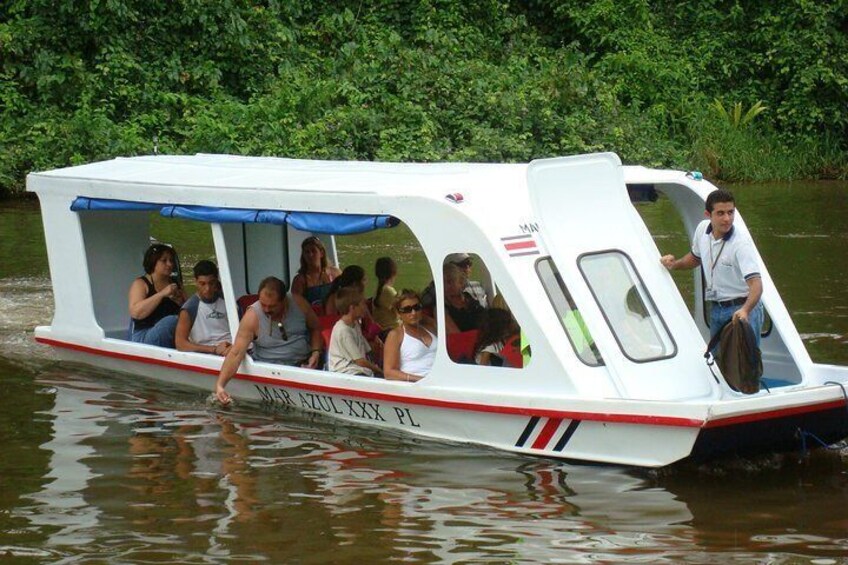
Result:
{"points": [[738, 356]]}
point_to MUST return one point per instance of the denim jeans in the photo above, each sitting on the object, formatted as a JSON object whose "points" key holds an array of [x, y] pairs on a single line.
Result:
{"points": [[161, 334], [720, 314]]}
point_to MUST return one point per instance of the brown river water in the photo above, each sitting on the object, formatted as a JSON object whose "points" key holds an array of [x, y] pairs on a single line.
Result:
{"points": [[105, 468]]}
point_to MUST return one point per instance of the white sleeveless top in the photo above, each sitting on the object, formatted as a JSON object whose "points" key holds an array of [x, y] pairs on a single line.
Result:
{"points": [[415, 357], [209, 321]]}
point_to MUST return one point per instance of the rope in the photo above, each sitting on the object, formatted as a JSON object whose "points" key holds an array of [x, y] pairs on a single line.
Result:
{"points": [[803, 435], [844, 393]]}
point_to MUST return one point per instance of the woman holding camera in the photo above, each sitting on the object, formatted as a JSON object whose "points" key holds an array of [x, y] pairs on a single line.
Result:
{"points": [[155, 299]]}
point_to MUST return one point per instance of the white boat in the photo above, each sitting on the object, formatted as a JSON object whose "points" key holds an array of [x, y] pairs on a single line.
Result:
{"points": [[553, 234]]}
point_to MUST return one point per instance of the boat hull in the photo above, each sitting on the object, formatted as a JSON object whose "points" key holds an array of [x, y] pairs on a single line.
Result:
{"points": [[574, 432], [824, 425]]}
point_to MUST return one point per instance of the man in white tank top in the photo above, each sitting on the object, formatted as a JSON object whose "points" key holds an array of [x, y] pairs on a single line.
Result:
{"points": [[203, 326]]}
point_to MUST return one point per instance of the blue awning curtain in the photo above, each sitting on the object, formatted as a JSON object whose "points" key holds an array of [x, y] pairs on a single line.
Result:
{"points": [[83, 203], [315, 222]]}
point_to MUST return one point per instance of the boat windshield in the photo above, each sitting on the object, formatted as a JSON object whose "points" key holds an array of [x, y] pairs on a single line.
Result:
{"points": [[575, 328], [640, 331]]}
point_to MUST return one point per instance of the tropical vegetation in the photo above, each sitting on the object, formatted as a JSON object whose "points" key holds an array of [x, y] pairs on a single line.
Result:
{"points": [[739, 90]]}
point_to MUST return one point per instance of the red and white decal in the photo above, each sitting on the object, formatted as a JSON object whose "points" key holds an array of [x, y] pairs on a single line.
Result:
{"points": [[547, 434], [520, 245]]}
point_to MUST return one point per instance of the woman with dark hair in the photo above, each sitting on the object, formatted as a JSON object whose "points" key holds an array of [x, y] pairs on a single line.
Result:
{"points": [[155, 299], [496, 327], [353, 275], [315, 275], [384, 298], [411, 347]]}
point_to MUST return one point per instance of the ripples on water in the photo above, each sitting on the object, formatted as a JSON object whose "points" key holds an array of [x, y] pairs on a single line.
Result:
{"points": [[108, 468]]}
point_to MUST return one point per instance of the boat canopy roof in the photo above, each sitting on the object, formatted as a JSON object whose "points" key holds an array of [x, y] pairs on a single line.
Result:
{"points": [[280, 174]]}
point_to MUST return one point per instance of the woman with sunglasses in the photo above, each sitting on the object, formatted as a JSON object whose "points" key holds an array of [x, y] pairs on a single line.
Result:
{"points": [[155, 299], [411, 347]]}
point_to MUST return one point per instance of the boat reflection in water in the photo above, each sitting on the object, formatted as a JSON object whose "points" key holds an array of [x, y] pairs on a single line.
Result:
{"points": [[151, 473]]}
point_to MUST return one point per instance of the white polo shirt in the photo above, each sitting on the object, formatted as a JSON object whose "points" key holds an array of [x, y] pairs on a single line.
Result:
{"points": [[727, 263]]}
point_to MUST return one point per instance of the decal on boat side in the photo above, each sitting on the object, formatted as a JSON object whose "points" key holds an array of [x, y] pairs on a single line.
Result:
{"points": [[370, 411], [522, 244], [542, 438]]}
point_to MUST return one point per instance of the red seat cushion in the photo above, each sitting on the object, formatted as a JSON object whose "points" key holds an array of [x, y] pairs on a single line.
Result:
{"points": [[512, 352], [461, 346], [327, 322], [246, 301]]}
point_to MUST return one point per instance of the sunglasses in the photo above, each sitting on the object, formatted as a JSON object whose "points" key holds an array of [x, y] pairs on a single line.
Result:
{"points": [[464, 264], [283, 333], [411, 308]]}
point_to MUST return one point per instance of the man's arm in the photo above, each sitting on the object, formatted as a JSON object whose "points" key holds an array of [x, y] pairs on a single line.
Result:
{"points": [[688, 261], [246, 332], [755, 292], [181, 339]]}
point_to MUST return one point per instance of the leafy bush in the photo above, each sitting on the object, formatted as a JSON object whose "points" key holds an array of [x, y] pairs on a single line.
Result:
{"points": [[426, 80]]}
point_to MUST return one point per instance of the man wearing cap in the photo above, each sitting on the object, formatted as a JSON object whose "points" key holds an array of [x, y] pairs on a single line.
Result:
{"points": [[733, 285], [474, 288]]}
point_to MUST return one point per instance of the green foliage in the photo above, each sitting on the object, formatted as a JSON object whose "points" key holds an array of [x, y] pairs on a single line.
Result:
{"points": [[428, 80], [735, 117]]}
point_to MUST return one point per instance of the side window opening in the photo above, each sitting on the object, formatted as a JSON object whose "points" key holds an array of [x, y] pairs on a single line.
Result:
{"points": [[627, 306], [115, 243], [480, 327], [568, 314], [393, 262]]}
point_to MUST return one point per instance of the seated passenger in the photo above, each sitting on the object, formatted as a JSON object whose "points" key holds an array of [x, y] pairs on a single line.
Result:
{"points": [[352, 276], [411, 347], [473, 288], [462, 311], [283, 329], [154, 299], [203, 326], [384, 299], [496, 327], [315, 275], [348, 348]]}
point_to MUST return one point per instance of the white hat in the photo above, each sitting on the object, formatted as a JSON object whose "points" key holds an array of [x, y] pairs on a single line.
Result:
{"points": [[456, 258]]}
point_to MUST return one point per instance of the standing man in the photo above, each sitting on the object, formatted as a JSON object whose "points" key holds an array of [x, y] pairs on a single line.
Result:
{"points": [[203, 325], [729, 263], [283, 329]]}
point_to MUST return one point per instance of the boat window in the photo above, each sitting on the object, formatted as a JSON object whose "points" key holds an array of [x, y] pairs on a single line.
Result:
{"points": [[627, 306], [569, 316], [115, 243], [479, 324]]}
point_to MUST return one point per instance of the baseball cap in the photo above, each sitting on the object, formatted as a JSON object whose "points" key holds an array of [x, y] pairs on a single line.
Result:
{"points": [[456, 258]]}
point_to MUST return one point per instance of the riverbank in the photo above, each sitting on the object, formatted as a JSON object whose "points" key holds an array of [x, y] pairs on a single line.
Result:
{"points": [[744, 94]]}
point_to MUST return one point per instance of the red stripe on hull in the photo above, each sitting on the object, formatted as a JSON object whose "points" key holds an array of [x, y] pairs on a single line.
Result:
{"points": [[454, 405], [547, 433], [520, 245]]}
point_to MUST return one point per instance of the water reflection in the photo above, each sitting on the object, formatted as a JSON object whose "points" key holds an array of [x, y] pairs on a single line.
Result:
{"points": [[60, 507], [142, 474]]}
